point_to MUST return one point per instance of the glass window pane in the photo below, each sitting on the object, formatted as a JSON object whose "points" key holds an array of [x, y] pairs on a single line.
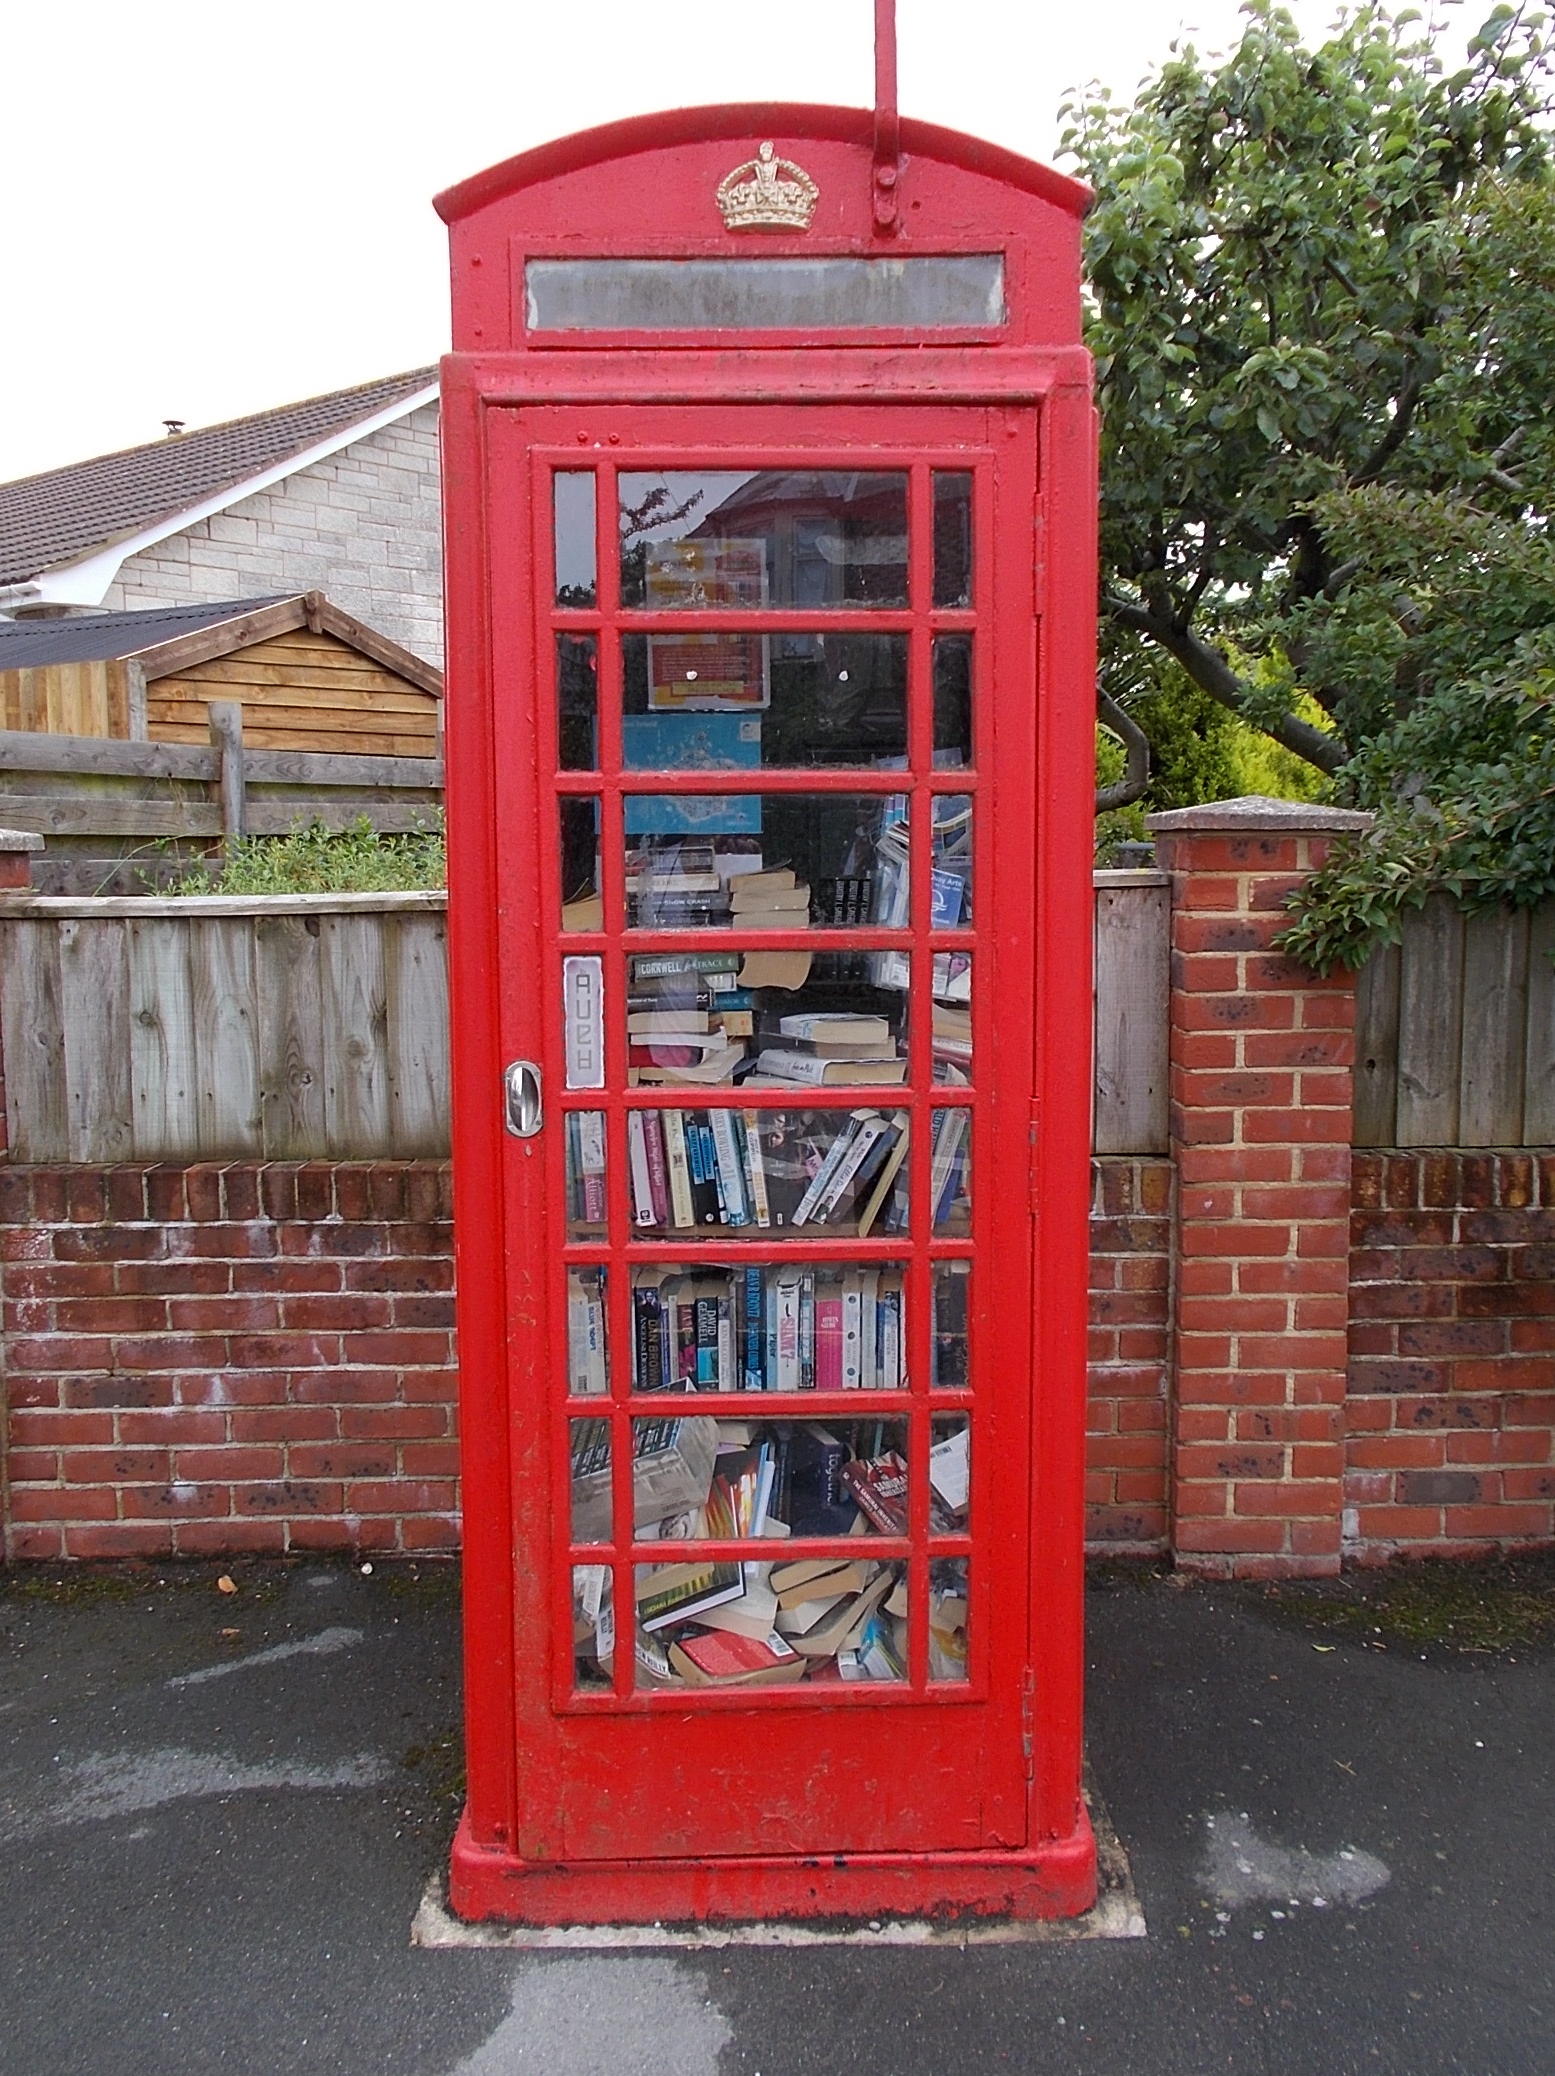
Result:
{"points": [[773, 861], [949, 1364], [703, 1018], [952, 987], [950, 1475], [741, 1174], [588, 1344], [948, 1618], [591, 1501], [577, 702], [961, 290], [734, 539], [593, 1628], [950, 1172], [796, 1326], [952, 900], [800, 698], [586, 1201], [574, 537], [952, 539], [953, 697], [578, 815]]}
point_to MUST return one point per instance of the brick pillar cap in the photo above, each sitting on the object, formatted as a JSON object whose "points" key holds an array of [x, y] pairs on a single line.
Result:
{"points": [[1255, 812], [20, 840]]}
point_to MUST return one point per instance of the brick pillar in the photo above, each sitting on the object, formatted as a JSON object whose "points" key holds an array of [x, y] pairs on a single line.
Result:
{"points": [[1262, 1054]]}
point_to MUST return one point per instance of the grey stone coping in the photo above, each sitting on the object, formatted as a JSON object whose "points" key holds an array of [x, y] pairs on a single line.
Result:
{"points": [[1253, 814]]}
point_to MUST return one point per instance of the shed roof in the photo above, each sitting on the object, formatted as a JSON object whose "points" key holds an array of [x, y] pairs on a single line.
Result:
{"points": [[96, 637], [63, 513]]}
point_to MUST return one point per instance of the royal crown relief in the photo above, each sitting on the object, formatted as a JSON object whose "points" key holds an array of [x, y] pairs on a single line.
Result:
{"points": [[767, 193]]}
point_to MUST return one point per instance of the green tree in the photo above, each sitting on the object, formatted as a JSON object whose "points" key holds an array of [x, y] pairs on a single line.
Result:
{"points": [[1321, 304]]}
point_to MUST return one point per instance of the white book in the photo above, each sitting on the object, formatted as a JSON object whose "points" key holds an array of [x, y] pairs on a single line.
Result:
{"points": [[730, 1179], [890, 1332], [786, 1321], [682, 1207], [869, 1130], [585, 1338], [642, 1186], [728, 1380], [869, 1324], [758, 1173], [830, 1162], [852, 1330]]}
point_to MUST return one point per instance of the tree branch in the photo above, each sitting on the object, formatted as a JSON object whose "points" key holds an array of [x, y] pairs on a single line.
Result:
{"points": [[1403, 413], [1210, 671], [1137, 773]]}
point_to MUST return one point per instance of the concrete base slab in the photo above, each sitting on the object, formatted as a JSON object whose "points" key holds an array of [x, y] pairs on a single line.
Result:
{"points": [[1117, 1914]]}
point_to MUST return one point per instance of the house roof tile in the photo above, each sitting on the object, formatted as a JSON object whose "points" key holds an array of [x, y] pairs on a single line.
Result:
{"points": [[95, 637], [64, 513]]}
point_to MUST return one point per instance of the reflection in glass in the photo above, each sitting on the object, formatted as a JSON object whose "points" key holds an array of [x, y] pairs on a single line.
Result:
{"points": [[589, 1452], [951, 905], [953, 696], [577, 702], [574, 537], [960, 290], [740, 1174], [952, 539], [949, 1367], [593, 1628], [948, 1604], [774, 861], [950, 1172], [798, 1326], [727, 539], [582, 908], [588, 1346], [809, 698], [586, 1201]]}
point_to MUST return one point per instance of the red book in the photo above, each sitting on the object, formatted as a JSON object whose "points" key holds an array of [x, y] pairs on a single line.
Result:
{"points": [[723, 1657], [828, 1342], [658, 1167], [879, 1486]]}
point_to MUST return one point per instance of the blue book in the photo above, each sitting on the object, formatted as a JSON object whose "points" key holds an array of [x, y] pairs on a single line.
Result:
{"points": [[692, 742]]}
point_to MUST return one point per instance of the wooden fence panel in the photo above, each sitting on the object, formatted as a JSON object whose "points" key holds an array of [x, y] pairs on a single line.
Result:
{"points": [[356, 1020], [1133, 954], [417, 978], [1495, 1028], [1376, 1047], [1539, 1059], [95, 1004], [163, 1075], [226, 1042], [32, 1029], [1430, 1025], [289, 994]]}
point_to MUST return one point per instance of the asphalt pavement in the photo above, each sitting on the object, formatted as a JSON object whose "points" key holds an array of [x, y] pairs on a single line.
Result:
{"points": [[219, 1812]]}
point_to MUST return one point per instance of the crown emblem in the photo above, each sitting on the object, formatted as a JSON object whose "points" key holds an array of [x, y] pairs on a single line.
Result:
{"points": [[767, 194]]}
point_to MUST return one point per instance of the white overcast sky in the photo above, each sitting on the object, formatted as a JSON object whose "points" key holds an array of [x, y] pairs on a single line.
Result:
{"points": [[215, 207]]}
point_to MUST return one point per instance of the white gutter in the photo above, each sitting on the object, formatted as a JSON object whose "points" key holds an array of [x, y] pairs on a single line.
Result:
{"points": [[85, 582]]}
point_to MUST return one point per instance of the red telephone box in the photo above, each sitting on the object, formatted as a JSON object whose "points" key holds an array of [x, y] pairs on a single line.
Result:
{"points": [[769, 461]]}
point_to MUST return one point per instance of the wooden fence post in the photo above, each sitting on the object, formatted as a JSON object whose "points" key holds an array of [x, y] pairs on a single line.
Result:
{"points": [[226, 725]]}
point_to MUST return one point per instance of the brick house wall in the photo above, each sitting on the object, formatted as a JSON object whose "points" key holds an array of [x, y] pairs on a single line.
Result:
{"points": [[364, 526]]}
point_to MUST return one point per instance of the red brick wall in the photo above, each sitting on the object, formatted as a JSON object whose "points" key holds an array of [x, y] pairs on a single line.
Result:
{"points": [[1451, 1409], [1126, 1446], [229, 1357]]}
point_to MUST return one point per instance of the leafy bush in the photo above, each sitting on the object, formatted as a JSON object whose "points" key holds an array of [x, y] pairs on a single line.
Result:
{"points": [[314, 859]]}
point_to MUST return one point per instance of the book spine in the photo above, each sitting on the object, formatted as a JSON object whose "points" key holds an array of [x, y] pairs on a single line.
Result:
{"points": [[705, 1188], [786, 1309], [677, 1161], [756, 1168], [728, 1158], [867, 1133], [820, 1181], [591, 1161], [707, 1344], [828, 1342], [726, 1376], [890, 1340], [807, 1329], [869, 1323], [852, 1321], [642, 1187], [755, 1333], [807, 1068], [658, 1169]]}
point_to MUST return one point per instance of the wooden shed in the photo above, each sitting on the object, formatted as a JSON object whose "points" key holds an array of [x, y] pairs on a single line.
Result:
{"points": [[307, 676]]}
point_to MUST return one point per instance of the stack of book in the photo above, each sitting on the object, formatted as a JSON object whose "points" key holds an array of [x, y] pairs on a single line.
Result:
{"points": [[829, 1050], [761, 1170], [675, 887], [793, 1328]]}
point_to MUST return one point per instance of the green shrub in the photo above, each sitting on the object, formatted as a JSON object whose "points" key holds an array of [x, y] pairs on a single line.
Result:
{"points": [[314, 859]]}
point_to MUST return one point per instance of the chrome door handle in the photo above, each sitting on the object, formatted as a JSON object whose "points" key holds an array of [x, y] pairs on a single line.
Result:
{"points": [[525, 1111]]}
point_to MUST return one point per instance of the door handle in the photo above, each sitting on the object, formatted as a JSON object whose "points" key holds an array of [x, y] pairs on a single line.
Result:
{"points": [[525, 1111]]}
